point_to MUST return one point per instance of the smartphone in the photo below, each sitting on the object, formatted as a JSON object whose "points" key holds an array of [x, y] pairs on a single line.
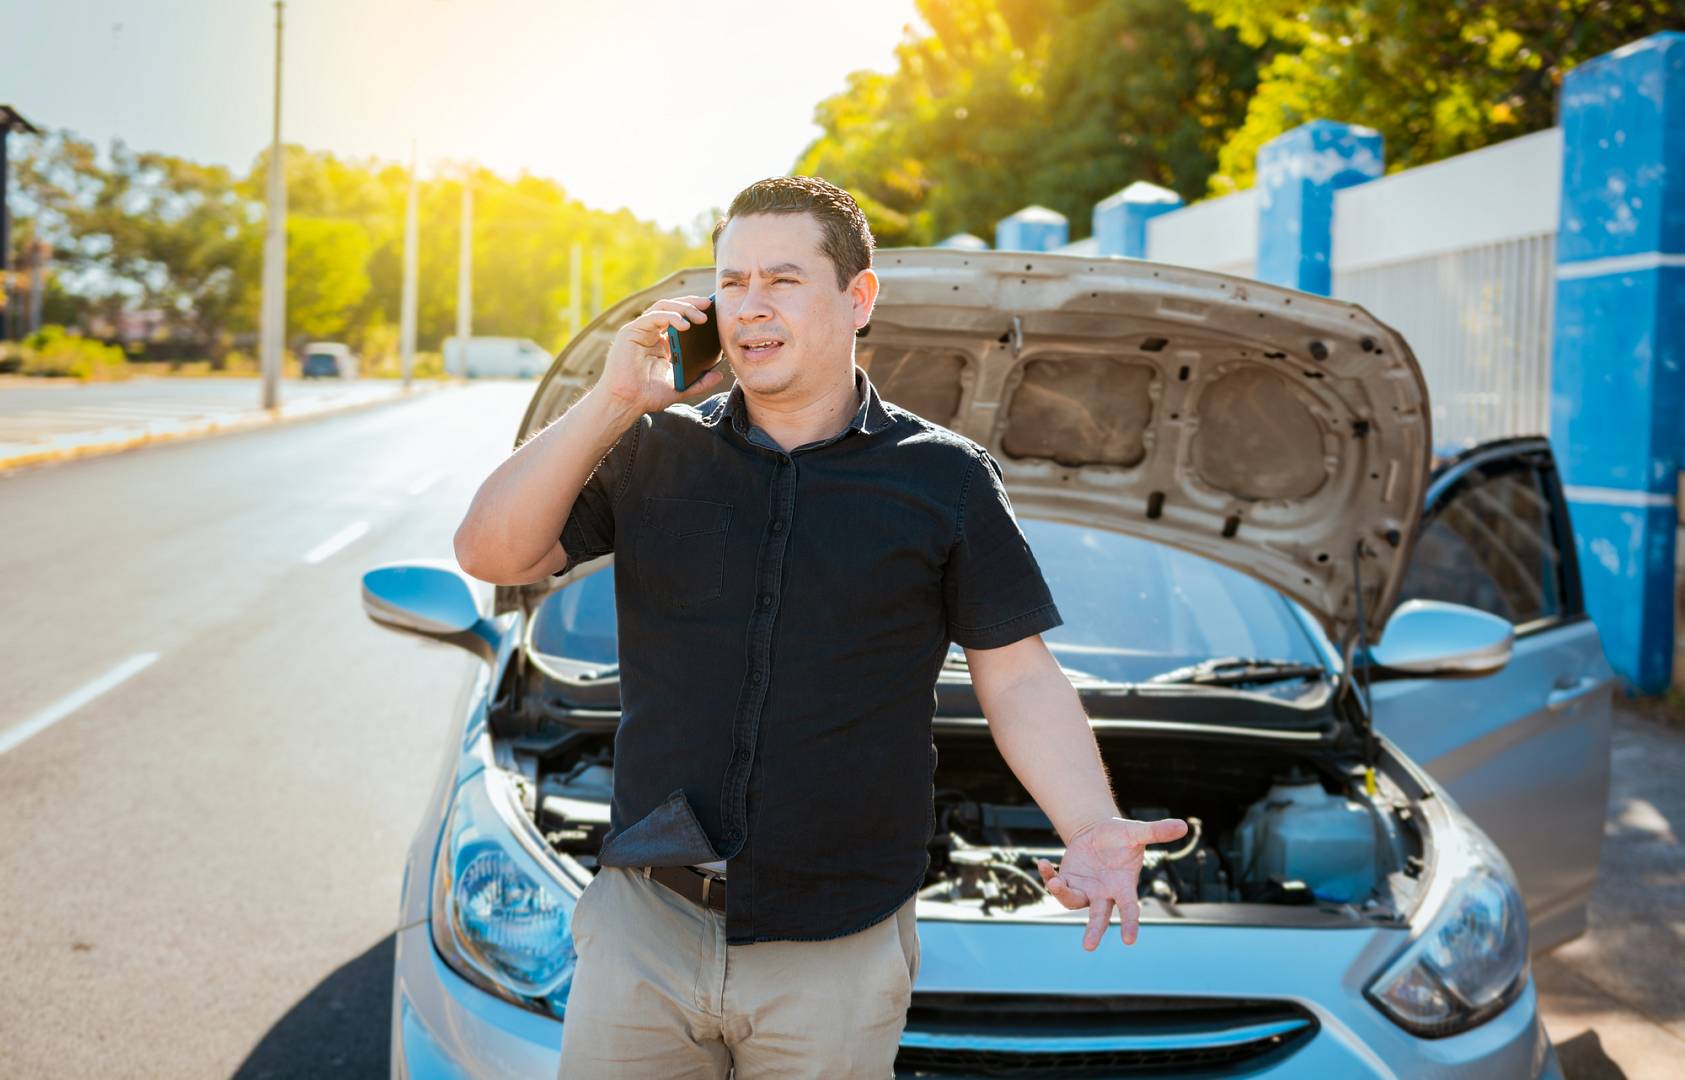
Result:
{"points": [[695, 350]]}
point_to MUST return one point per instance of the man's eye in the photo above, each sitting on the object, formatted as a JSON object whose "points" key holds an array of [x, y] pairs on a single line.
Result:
{"points": [[779, 279]]}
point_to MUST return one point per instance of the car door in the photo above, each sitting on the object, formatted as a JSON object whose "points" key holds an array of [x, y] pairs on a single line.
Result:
{"points": [[1525, 750]]}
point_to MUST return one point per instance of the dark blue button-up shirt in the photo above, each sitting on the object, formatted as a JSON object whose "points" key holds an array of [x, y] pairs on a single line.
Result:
{"points": [[783, 617]]}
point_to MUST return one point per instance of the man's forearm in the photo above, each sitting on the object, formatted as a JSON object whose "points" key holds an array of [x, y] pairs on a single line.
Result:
{"points": [[1039, 726], [514, 519]]}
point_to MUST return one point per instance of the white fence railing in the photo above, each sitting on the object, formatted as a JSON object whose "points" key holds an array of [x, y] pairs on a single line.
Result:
{"points": [[1459, 256]]}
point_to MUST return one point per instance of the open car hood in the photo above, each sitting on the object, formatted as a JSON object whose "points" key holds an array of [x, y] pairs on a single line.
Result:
{"points": [[1278, 432]]}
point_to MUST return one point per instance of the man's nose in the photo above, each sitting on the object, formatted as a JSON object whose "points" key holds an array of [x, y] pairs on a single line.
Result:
{"points": [[753, 304]]}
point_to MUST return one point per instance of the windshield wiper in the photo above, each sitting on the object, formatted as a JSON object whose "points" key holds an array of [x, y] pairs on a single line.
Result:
{"points": [[1239, 671]]}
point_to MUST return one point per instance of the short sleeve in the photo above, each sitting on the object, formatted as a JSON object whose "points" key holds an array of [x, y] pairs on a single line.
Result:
{"points": [[589, 530], [993, 588]]}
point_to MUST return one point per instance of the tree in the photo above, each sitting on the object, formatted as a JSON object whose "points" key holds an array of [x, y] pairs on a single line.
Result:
{"points": [[1007, 102], [147, 230], [1435, 77]]}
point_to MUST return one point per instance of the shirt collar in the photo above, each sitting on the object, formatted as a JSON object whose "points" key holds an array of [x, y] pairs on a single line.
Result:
{"points": [[869, 418]]}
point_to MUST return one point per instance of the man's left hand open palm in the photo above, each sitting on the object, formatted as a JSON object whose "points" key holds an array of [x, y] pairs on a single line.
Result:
{"points": [[1101, 868]]}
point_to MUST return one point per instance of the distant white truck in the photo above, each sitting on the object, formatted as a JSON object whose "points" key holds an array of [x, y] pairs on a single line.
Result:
{"points": [[507, 357]]}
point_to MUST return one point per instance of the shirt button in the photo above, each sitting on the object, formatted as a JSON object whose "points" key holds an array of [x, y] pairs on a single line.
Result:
{"points": [[766, 599], [756, 677], [778, 526]]}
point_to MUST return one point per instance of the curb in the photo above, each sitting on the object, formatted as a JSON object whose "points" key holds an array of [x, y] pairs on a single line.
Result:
{"points": [[135, 438]]}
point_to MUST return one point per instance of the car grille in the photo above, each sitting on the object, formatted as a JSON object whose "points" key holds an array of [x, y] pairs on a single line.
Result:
{"points": [[980, 1035]]}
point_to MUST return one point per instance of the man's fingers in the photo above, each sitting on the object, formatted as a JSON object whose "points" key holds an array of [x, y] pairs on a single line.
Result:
{"points": [[706, 384], [1060, 889], [688, 306], [1162, 832], [1129, 915], [1099, 913]]}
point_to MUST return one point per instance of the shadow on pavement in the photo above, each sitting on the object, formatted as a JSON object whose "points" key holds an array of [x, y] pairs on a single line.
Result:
{"points": [[1582, 1058], [341, 1028]]}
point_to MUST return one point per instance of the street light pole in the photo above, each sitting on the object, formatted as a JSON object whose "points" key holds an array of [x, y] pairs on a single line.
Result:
{"points": [[406, 316], [274, 321], [576, 286], [465, 273]]}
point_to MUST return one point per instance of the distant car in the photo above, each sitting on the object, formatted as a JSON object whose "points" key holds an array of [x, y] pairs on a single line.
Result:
{"points": [[505, 357], [1229, 487], [328, 360]]}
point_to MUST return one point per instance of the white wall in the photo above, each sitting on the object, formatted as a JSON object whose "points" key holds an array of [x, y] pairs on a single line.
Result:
{"points": [[1503, 192], [1217, 234]]}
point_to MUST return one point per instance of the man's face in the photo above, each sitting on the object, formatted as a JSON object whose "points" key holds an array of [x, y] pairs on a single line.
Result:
{"points": [[773, 283]]}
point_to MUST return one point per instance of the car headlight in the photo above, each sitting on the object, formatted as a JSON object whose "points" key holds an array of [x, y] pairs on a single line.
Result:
{"points": [[500, 917], [1471, 961]]}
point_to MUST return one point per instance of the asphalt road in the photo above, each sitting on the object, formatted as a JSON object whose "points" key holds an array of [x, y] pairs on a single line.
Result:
{"points": [[204, 843]]}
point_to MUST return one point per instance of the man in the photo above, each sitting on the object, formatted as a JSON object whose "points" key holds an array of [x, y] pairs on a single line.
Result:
{"points": [[792, 559]]}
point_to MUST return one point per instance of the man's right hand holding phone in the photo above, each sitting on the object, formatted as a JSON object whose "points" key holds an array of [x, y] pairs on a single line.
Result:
{"points": [[638, 374]]}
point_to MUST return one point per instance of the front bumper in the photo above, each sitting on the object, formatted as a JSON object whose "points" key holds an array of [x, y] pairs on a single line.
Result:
{"points": [[442, 1026]]}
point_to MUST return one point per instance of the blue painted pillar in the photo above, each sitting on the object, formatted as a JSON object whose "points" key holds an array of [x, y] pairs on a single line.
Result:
{"points": [[1298, 173], [1618, 363], [1120, 219], [1034, 228]]}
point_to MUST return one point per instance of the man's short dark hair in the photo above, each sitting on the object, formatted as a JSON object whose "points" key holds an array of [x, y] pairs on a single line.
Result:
{"points": [[847, 239]]}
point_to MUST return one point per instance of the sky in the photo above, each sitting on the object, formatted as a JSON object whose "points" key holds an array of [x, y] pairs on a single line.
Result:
{"points": [[666, 107]]}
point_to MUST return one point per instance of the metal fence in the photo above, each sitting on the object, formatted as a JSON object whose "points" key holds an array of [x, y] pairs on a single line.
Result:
{"points": [[1479, 320]]}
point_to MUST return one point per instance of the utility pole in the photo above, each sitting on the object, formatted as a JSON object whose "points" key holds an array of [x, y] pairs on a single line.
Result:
{"points": [[40, 254], [596, 280], [465, 273], [576, 286], [406, 317], [274, 322]]}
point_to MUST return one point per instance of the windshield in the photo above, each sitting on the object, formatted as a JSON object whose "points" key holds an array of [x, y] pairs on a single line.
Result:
{"points": [[1132, 608]]}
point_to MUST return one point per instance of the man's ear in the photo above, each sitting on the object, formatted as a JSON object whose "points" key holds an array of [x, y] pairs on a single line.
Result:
{"points": [[863, 290]]}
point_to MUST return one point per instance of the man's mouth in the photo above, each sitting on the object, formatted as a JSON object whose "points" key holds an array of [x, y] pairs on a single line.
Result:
{"points": [[758, 348]]}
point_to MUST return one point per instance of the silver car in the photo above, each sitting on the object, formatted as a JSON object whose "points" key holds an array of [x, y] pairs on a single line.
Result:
{"points": [[1365, 677]]}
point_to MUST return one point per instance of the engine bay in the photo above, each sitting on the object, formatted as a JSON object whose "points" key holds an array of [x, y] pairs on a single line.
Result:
{"points": [[1269, 824]]}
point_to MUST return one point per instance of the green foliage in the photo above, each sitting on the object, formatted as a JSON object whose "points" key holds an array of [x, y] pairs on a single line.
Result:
{"points": [[54, 351], [1008, 102], [1435, 78], [327, 274], [144, 230]]}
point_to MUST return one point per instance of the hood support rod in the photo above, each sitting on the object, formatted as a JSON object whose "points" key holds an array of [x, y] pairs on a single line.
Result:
{"points": [[1360, 685]]}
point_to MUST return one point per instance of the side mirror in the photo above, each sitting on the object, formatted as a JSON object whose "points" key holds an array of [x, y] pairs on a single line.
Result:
{"points": [[430, 597], [1428, 638]]}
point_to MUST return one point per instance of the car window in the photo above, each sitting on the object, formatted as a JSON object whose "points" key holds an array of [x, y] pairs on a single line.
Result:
{"points": [[1132, 608], [1491, 543]]}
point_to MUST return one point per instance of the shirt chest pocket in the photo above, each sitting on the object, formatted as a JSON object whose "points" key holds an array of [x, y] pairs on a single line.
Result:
{"points": [[681, 549]]}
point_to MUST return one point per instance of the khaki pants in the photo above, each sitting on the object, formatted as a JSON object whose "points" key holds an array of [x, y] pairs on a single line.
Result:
{"points": [[658, 993]]}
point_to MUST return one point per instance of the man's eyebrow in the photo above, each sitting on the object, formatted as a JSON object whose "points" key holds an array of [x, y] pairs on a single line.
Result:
{"points": [[781, 268]]}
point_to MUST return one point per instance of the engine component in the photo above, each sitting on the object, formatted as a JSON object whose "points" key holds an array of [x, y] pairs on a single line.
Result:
{"points": [[1301, 832]]}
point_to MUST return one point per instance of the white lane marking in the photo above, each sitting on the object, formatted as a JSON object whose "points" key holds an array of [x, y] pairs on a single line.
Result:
{"points": [[68, 704], [336, 541], [424, 483]]}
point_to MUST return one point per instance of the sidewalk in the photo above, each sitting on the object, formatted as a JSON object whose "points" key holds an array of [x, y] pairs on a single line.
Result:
{"points": [[48, 420], [1614, 999]]}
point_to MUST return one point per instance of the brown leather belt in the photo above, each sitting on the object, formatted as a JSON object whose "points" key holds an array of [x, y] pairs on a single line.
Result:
{"points": [[693, 885]]}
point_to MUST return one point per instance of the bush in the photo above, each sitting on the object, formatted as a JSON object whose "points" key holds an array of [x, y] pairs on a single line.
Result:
{"points": [[54, 352]]}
